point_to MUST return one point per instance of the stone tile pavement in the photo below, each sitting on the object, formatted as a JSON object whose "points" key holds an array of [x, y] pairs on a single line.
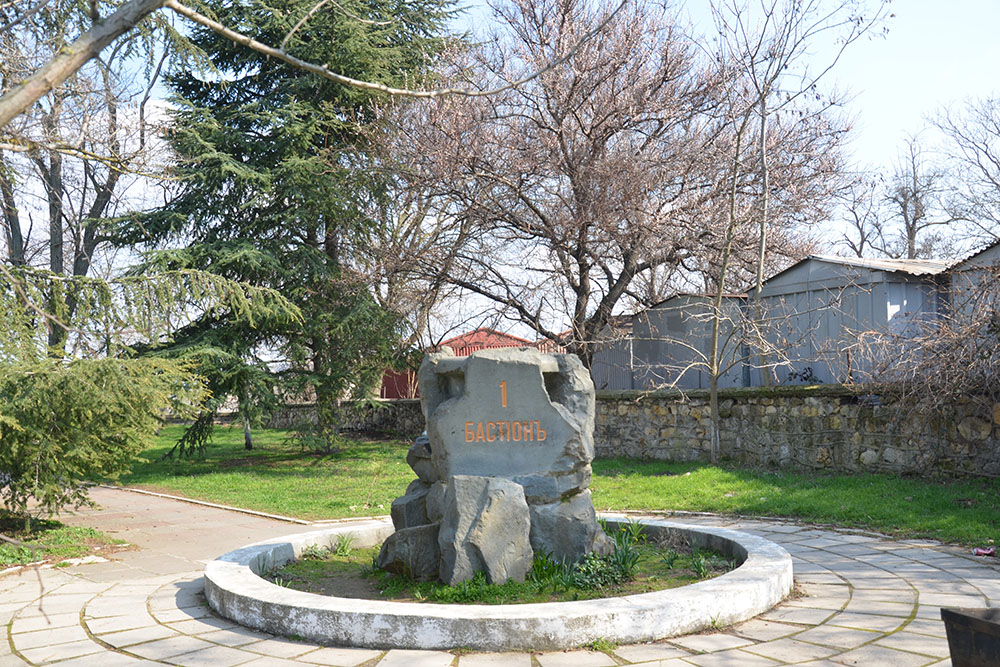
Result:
{"points": [[860, 600]]}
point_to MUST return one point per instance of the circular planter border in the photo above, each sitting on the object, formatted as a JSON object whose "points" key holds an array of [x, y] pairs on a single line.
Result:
{"points": [[234, 590]]}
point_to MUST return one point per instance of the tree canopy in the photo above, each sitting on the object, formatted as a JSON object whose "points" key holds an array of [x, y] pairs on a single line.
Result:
{"points": [[271, 192]]}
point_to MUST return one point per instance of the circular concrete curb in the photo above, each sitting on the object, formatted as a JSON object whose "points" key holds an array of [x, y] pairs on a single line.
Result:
{"points": [[234, 590]]}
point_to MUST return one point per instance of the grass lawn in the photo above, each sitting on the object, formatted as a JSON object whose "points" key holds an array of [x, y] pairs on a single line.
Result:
{"points": [[50, 541], [279, 476], [365, 475]]}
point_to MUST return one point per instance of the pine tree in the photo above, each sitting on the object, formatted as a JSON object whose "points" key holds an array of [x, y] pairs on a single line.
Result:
{"points": [[272, 193]]}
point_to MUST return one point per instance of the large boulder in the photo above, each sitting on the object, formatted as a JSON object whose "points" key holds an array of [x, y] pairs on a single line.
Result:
{"points": [[486, 528], [568, 529], [419, 458], [410, 509], [412, 552], [519, 414]]}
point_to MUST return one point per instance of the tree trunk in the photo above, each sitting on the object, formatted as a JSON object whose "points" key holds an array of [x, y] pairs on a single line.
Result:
{"points": [[247, 435]]}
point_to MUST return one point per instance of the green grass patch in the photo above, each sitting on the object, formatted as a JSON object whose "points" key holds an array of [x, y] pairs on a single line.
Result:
{"points": [[362, 476], [50, 541], [359, 477], [636, 566], [963, 511]]}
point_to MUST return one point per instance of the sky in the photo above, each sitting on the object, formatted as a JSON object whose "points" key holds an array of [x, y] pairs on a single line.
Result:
{"points": [[936, 53]]}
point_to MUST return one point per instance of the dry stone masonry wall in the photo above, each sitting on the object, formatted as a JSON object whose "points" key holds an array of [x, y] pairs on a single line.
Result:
{"points": [[827, 428]]}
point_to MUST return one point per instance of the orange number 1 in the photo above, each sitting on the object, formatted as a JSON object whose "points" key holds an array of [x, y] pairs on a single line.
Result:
{"points": [[503, 394]]}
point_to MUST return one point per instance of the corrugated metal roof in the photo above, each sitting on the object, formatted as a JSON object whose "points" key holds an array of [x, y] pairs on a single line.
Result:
{"points": [[916, 267]]}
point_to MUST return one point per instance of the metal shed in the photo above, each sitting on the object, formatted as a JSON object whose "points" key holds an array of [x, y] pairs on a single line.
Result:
{"points": [[818, 311], [672, 343]]}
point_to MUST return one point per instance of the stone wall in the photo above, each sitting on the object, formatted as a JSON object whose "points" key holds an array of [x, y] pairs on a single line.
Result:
{"points": [[401, 417], [813, 428]]}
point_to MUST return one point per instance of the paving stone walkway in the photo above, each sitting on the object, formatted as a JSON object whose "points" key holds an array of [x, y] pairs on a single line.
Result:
{"points": [[861, 600]]}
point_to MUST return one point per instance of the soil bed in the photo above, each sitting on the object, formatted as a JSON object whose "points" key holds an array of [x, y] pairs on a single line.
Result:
{"points": [[349, 573]]}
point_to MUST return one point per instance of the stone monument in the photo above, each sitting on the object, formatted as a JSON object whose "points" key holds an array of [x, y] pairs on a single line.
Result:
{"points": [[503, 471]]}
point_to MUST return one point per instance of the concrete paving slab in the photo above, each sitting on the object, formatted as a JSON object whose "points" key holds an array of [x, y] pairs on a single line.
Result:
{"points": [[32, 623], [649, 652], [843, 638], [791, 650], [341, 657], [872, 622], [761, 630], [917, 643], [55, 652], [107, 659], [233, 636], [711, 642], [280, 648], [165, 649], [574, 659], [495, 660], [127, 638], [868, 656], [216, 656], [800, 615], [271, 662], [731, 659], [47, 637], [926, 626], [406, 658]]}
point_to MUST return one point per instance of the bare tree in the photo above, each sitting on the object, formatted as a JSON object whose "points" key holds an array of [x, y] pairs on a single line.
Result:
{"points": [[973, 147], [578, 183], [915, 195], [862, 203], [909, 215], [79, 150]]}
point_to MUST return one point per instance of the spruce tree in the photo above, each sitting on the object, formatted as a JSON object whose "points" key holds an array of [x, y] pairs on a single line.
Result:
{"points": [[271, 193]]}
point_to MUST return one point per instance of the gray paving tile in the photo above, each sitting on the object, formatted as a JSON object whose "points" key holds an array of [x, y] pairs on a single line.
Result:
{"points": [[574, 659], [234, 636], [882, 656], [48, 637], [279, 648], [731, 659], [495, 660], [401, 658], [791, 650], [342, 657], [712, 642], [872, 622], [66, 651], [910, 641], [805, 616], [216, 656], [844, 638], [763, 631], [649, 652], [137, 636], [164, 649], [32, 623]]}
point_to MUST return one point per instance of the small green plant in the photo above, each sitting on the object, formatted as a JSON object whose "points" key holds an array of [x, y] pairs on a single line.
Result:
{"points": [[669, 557], [601, 644], [699, 564], [634, 532], [344, 544], [314, 552]]}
